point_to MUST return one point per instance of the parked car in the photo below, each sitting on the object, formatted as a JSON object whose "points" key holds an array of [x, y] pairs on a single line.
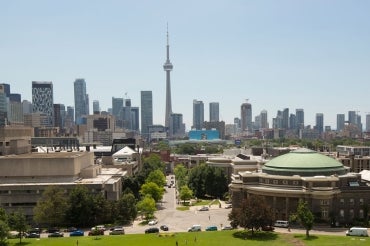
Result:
{"points": [[152, 230], [268, 228], [153, 222], [53, 229], [76, 233], [195, 228], [99, 227], [211, 228], [33, 235], [281, 223], [228, 206], [164, 228], [117, 231], [56, 234], [357, 231], [204, 208], [96, 232], [227, 228]]}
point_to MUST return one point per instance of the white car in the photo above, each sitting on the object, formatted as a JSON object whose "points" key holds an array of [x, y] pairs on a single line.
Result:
{"points": [[152, 222]]}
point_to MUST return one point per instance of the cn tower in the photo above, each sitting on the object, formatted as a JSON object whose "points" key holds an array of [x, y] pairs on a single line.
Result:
{"points": [[168, 68]]}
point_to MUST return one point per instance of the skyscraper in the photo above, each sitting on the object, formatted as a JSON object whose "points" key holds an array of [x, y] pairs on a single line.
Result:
{"points": [[264, 123], [146, 112], [340, 122], [300, 118], [246, 117], [198, 114], [42, 100], [367, 122], [168, 68], [320, 122], [352, 118], [285, 119], [96, 107], [214, 112], [81, 100]]}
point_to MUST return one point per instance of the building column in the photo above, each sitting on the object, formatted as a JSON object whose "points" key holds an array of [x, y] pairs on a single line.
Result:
{"points": [[287, 208]]}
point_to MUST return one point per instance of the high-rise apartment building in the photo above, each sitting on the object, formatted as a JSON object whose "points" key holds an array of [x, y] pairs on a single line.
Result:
{"points": [[81, 101], [96, 107], [285, 119], [263, 119], [320, 122], [43, 100], [367, 123], [352, 117], [27, 107], [300, 118], [117, 108], [292, 121], [198, 114], [214, 112], [3, 106], [340, 122], [135, 119], [168, 68], [177, 127], [246, 117], [146, 112]]}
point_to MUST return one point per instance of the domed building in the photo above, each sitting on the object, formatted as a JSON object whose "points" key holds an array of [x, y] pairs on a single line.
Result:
{"points": [[333, 193]]}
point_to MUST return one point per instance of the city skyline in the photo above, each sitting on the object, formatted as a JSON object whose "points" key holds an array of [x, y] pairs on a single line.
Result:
{"points": [[312, 55]]}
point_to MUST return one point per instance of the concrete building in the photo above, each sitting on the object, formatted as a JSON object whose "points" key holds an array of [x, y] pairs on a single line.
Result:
{"points": [[23, 178], [15, 140], [333, 193]]}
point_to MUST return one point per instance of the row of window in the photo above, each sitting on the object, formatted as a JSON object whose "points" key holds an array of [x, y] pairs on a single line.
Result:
{"points": [[342, 202], [352, 213], [276, 182]]}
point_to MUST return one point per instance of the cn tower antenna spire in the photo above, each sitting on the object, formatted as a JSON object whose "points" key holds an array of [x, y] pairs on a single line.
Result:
{"points": [[168, 68]]}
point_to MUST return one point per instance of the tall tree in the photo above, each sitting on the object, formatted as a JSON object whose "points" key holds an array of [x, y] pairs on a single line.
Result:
{"points": [[181, 174], [153, 190], [157, 177], [185, 193], [146, 207], [253, 214], [102, 212], [51, 207], [126, 208], [81, 206], [4, 231], [18, 222], [304, 216]]}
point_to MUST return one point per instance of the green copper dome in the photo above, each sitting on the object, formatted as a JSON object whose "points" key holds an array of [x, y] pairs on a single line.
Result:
{"points": [[304, 162]]}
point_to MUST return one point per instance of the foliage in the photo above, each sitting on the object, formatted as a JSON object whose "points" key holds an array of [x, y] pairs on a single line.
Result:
{"points": [[102, 211], [153, 190], [185, 193], [181, 174], [51, 207], [81, 204], [18, 222], [253, 214], [205, 180], [126, 208], [157, 177], [151, 163], [146, 207], [304, 216], [4, 230], [133, 185], [186, 149]]}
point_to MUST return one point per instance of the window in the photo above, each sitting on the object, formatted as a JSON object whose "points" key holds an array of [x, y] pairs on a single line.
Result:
{"points": [[361, 213], [324, 213], [341, 213], [341, 202], [324, 202], [275, 182], [351, 202], [285, 182], [266, 181], [295, 182], [351, 213], [361, 202]]}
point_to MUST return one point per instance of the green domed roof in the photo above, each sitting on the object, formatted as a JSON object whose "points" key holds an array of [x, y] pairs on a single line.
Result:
{"points": [[304, 162]]}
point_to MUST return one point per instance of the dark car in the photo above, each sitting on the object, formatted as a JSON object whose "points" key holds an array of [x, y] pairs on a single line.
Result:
{"points": [[96, 232], [76, 233], [152, 230], [211, 228], [56, 234], [268, 228], [164, 228], [33, 235]]}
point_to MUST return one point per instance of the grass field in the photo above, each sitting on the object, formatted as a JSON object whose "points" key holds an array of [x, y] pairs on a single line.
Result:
{"points": [[222, 238]]}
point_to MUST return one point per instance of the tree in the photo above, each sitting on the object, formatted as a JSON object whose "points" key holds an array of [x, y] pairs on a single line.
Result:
{"points": [[146, 207], [4, 231], [153, 190], [157, 177], [181, 174], [50, 208], [126, 208], [185, 193], [81, 206], [253, 214], [304, 216], [18, 222], [102, 210]]}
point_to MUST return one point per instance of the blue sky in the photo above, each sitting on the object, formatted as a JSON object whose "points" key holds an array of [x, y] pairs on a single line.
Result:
{"points": [[312, 54]]}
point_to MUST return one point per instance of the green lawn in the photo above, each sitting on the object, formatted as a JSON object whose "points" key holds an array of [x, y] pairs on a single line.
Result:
{"points": [[221, 238]]}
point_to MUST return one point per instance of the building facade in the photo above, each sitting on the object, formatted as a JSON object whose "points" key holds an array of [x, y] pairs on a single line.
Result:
{"points": [[246, 117], [198, 114], [146, 112], [43, 100], [81, 100], [214, 112]]}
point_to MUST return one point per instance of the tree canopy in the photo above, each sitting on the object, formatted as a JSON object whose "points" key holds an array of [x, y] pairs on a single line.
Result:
{"points": [[153, 190], [146, 207], [253, 214], [157, 177], [185, 193], [304, 216]]}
